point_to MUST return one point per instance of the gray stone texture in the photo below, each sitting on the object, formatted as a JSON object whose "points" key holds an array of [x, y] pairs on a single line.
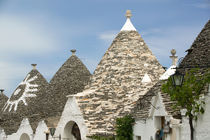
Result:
{"points": [[116, 83], [144, 104], [3, 100], [70, 79], [199, 53], [11, 120], [51, 98], [198, 56]]}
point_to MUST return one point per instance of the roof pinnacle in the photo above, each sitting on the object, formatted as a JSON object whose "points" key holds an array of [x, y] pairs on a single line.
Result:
{"points": [[1, 91], [173, 57], [128, 26], [128, 14], [34, 66], [73, 51]]}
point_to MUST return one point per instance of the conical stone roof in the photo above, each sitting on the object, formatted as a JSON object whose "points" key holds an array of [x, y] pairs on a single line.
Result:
{"points": [[199, 53], [24, 102], [117, 81], [70, 79]]}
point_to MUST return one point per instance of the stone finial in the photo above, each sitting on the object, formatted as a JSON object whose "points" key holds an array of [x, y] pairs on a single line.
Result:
{"points": [[173, 52], [1, 91], [128, 14], [128, 26], [173, 57], [34, 66], [73, 51]]}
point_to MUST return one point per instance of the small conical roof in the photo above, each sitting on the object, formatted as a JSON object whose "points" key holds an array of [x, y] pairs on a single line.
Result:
{"points": [[24, 102], [117, 81], [70, 79], [72, 75], [25, 94], [3, 99]]}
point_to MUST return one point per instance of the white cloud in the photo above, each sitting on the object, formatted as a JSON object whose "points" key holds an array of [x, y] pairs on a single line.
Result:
{"points": [[21, 38], [108, 36], [205, 4], [18, 35]]}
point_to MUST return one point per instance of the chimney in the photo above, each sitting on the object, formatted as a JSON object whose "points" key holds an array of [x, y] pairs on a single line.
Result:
{"points": [[34, 66], [173, 57]]}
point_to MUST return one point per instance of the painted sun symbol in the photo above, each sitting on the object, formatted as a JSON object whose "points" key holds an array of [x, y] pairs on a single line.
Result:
{"points": [[27, 92]]}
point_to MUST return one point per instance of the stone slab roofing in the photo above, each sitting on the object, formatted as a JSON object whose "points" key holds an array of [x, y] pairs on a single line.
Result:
{"points": [[199, 53], [117, 82], [3, 100], [144, 104], [70, 79], [26, 101]]}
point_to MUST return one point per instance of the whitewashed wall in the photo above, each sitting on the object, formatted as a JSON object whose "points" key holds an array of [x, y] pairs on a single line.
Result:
{"points": [[71, 113], [147, 128], [2, 134], [24, 128], [202, 125], [40, 131], [180, 128]]}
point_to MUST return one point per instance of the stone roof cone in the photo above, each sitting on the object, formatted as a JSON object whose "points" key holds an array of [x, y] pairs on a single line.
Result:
{"points": [[199, 53], [25, 101], [71, 78], [117, 81]]}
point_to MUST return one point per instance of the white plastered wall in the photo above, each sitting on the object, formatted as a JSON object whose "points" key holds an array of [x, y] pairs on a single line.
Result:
{"points": [[147, 128], [2, 134], [201, 126], [25, 127], [71, 113], [40, 131]]}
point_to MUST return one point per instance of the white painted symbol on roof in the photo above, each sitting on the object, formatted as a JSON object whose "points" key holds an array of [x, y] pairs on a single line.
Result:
{"points": [[27, 92]]}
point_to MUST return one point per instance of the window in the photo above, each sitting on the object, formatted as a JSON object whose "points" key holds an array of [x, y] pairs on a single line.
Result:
{"points": [[138, 137]]}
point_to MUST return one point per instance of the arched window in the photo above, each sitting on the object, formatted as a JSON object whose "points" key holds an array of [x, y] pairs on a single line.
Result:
{"points": [[72, 131], [24, 136]]}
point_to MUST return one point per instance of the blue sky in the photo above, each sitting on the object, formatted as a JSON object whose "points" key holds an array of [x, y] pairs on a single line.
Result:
{"points": [[44, 31]]}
